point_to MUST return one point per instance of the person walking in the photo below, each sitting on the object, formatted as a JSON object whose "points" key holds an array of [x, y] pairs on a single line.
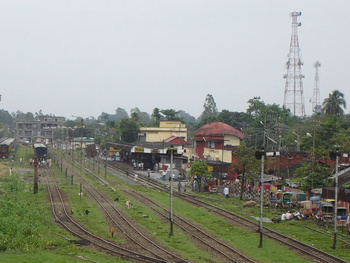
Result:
{"points": [[179, 186], [226, 192], [164, 175]]}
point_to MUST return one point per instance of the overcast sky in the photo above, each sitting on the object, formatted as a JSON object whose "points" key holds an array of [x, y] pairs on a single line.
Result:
{"points": [[84, 57]]}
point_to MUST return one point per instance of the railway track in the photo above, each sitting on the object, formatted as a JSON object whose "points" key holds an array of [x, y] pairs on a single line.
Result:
{"points": [[220, 251], [138, 248], [308, 251], [218, 248]]}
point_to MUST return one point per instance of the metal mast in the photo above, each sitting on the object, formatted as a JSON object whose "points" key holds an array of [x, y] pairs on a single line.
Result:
{"points": [[316, 105], [293, 93]]}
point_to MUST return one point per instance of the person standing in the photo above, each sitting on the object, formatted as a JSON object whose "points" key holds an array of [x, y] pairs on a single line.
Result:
{"points": [[179, 186], [226, 192], [149, 172], [164, 175]]}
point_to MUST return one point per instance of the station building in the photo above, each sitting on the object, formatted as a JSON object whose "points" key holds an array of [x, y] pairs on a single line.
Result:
{"points": [[42, 129], [155, 145], [214, 143]]}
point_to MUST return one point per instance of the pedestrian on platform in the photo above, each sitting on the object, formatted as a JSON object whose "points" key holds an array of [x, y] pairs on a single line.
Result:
{"points": [[164, 175], [226, 192]]}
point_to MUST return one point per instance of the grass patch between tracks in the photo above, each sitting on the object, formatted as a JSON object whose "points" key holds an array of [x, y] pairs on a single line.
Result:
{"points": [[245, 241], [28, 232]]}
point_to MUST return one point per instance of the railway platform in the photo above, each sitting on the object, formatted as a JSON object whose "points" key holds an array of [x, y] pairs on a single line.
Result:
{"points": [[154, 175]]}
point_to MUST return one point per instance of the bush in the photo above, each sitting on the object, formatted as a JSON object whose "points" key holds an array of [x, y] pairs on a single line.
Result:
{"points": [[24, 222]]}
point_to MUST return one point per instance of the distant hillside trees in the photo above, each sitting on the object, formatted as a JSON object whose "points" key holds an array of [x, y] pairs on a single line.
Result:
{"points": [[209, 106], [6, 118]]}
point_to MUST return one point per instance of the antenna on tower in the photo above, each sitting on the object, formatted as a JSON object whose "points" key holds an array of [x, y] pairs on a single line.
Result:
{"points": [[316, 105], [293, 93]]}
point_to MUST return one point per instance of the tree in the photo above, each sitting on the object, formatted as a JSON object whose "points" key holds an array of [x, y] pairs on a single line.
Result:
{"points": [[206, 120], [103, 117], [235, 119], [185, 117], [129, 130], [268, 119], [156, 114], [39, 113], [139, 116], [5, 117], [199, 170], [169, 114], [135, 114], [314, 174], [120, 113], [334, 103], [246, 163], [209, 106]]}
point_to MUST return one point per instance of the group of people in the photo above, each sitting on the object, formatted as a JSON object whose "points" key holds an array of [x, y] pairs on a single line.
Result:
{"points": [[289, 216], [137, 165]]}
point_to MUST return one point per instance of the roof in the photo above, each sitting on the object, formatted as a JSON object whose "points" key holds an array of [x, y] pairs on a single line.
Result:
{"points": [[83, 139], [150, 145], [218, 128], [175, 139]]}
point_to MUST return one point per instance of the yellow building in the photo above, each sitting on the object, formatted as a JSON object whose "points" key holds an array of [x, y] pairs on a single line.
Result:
{"points": [[165, 130]]}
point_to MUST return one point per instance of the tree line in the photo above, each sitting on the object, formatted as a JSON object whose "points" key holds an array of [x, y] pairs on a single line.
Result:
{"points": [[263, 125]]}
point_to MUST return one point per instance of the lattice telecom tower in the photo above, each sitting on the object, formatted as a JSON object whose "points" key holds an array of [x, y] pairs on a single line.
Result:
{"points": [[316, 104], [293, 93]]}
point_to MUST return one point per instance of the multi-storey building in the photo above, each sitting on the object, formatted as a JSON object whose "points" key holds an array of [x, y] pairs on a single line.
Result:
{"points": [[42, 129], [165, 130]]}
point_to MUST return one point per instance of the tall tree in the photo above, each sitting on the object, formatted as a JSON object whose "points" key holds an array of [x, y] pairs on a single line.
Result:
{"points": [[140, 116], [186, 117], [120, 113], [5, 117], [156, 114], [334, 103], [209, 106], [199, 170], [129, 130], [246, 164], [169, 114], [235, 119]]}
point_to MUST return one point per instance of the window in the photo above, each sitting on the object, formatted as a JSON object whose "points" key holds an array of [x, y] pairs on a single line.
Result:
{"points": [[211, 144]]}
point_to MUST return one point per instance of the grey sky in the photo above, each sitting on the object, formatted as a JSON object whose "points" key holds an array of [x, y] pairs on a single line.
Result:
{"points": [[86, 57]]}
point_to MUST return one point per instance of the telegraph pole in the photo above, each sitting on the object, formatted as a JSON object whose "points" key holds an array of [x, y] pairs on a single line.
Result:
{"points": [[261, 197], [171, 191], [335, 155], [36, 175]]}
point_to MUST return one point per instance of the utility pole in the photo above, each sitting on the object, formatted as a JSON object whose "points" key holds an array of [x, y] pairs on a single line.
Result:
{"points": [[261, 200], [293, 93], [335, 155], [171, 191], [260, 155], [35, 175], [81, 140]]}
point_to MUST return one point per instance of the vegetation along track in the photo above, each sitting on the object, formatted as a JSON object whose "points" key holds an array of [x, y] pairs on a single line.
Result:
{"points": [[218, 248], [63, 216], [236, 220]]}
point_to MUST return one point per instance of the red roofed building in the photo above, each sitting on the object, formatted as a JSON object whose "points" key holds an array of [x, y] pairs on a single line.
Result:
{"points": [[215, 142], [177, 140]]}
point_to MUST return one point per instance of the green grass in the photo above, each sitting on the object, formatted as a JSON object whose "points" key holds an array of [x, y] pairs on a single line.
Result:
{"points": [[27, 230], [245, 241], [39, 251]]}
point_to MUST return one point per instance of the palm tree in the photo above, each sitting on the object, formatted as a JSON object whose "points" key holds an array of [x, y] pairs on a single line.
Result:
{"points": [[334, 103]]}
